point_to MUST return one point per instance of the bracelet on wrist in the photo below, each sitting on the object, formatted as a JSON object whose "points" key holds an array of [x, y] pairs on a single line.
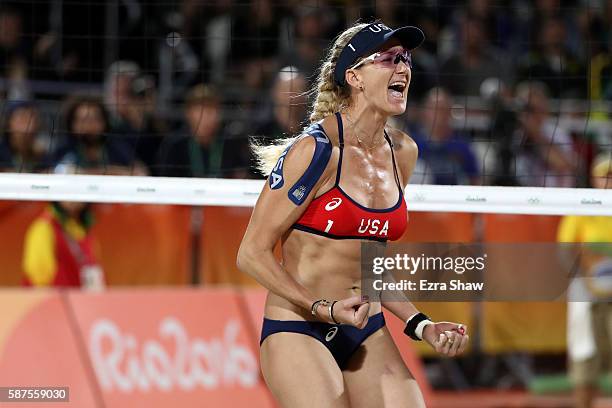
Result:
{"points": [[316, 304]]}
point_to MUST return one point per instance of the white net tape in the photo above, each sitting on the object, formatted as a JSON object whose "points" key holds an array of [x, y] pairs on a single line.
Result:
{"points": [[244, 193]]}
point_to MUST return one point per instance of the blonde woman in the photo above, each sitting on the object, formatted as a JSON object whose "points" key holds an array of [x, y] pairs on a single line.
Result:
{"points": [[339, 183]]}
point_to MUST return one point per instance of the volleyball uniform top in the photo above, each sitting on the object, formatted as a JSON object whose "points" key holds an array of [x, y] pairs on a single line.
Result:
{"points": [[336, 215]]}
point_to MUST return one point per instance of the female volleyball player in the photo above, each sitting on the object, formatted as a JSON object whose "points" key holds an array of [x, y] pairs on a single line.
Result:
{"points": [[340, 182]]}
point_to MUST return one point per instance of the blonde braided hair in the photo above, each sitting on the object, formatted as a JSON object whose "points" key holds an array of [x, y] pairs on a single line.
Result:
{"points": [[329, 99]]}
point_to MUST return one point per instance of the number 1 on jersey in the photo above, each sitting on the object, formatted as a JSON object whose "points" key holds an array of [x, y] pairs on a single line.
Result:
{"points": [[329, 225]]}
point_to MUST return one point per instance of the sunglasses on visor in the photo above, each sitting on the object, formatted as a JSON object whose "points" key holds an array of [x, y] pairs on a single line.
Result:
{"points": [[387, 59]]}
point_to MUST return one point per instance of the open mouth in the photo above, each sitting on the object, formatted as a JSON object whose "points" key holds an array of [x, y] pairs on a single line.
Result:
{"points": [[397, 89]]}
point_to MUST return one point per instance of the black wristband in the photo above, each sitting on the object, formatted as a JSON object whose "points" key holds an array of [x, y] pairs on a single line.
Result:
{"points": [[331, 312], [411, 325]]}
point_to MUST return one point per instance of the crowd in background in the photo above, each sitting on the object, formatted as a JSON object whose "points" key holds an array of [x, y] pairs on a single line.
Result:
{"points": [[504, 92], [507, 92]]}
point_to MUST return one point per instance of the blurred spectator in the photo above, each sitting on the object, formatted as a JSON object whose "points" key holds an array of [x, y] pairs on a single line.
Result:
{"points": [[255, 38], [198, 149], [131, 99], [59, 249], [13, 51], [504, 122], [309, 40], [207, 29], [194, 15], [20, 150], [74, 46], [286, 112], [88, 147], [474, 61], [139, 25], [141, 127], [12, 48], [607, 23], [589, 329], [544, 154], [81, 47], [552, 63], [498, 23], [215, 37], [390, 12], [117, 92], [435, 19], [283, 116], [425, 59], [574, 117], [178, 62], [448, 157], [600, 78], [597, 33]]}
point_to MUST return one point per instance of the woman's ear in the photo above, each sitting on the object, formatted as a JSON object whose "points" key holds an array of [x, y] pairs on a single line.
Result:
{"points": [[353, 78]]}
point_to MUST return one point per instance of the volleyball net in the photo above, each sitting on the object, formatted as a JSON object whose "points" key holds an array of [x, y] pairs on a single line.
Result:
{"points": [[244, 193]]}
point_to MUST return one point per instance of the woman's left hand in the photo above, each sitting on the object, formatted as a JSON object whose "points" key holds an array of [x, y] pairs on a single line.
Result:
{"points": [[449, 339]]}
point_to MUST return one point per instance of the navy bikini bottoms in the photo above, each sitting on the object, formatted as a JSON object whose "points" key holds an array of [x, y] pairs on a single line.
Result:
{"points": [[341, 340]]}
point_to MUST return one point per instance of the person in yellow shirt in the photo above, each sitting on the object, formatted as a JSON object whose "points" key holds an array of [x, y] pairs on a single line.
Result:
{"points": [[59, 249], [590, 323]]}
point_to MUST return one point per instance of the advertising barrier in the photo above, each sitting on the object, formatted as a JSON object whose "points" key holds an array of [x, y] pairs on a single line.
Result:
{"points": [[40, 347], [128, 348]]}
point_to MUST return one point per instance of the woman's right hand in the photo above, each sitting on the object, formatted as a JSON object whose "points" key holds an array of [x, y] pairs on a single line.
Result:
{"points": [[352, 311]]}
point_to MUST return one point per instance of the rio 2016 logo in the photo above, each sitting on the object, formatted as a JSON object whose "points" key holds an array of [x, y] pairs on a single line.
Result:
{"points": [[172, 360]]}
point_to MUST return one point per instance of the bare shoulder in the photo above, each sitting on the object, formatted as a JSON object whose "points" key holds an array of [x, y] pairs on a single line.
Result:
{"points": [[403, 144], [300, 153], [308, 156], [406, 152]]}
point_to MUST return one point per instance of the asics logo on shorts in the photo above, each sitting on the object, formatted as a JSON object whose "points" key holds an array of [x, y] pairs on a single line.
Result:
{"points": [[331, 334], [333, 204]]}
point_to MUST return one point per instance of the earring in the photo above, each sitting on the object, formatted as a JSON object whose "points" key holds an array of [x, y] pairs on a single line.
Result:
{"points": [[361, 87]]}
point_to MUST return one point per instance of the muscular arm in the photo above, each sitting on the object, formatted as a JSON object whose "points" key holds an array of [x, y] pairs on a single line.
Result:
{"points": [[272, 216]]}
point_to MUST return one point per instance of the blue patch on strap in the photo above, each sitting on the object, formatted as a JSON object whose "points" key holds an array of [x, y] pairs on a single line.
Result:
{"points": [[323, 149], [300, 190]]}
